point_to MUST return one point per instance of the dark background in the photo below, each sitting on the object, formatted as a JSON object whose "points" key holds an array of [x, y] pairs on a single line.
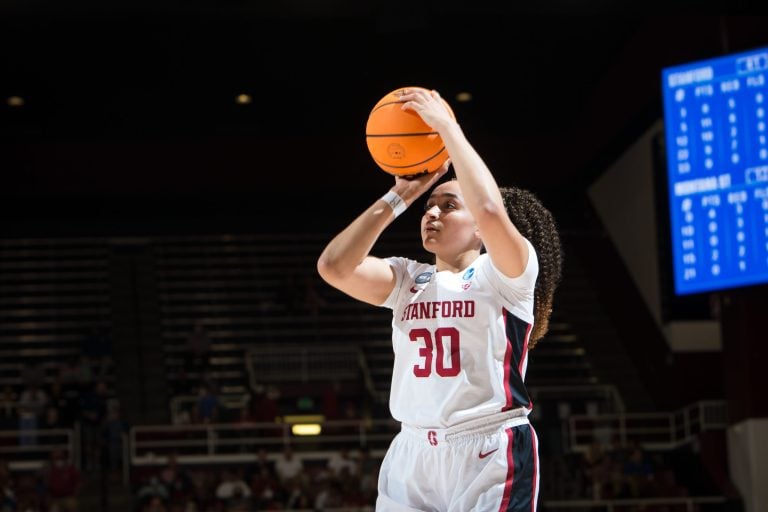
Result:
{"points": [[130, 125], [130, 128]]}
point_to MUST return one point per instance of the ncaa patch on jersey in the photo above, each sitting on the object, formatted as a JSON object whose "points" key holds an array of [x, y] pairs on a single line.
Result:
{"points": [[468, 274], [424, 277]]}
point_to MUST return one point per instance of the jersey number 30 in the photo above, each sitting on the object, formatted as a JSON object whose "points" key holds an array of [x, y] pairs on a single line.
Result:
{"points": [[427, 351]]}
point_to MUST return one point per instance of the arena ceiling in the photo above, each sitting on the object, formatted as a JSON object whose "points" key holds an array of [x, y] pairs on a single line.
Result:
{"points": [[132, 100]]}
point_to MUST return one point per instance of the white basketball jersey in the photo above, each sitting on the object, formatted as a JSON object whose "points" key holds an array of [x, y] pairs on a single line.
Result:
{"points": [[460, 341]]}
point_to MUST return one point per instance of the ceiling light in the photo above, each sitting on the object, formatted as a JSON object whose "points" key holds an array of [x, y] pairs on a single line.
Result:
{"points": [[464, 97], [15, 101], [243, 99]]}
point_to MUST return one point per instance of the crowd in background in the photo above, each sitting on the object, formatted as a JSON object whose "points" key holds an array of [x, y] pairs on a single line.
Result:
{"points": [[73, 393], [345, 479], [55, 487], [77, 392], [614, 472]]}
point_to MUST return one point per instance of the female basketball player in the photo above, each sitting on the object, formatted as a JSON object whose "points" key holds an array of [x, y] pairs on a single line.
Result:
{"points": [[462, 328]]}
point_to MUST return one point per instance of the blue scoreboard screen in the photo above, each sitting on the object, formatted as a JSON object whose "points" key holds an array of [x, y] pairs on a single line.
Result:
{"points": [[717, 171]]}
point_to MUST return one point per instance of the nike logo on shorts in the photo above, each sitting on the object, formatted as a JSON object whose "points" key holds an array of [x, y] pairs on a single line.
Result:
{"points": [[484, 455]]}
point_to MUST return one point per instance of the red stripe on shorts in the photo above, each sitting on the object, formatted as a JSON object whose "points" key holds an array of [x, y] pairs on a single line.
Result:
{"points": [[510, 472]]}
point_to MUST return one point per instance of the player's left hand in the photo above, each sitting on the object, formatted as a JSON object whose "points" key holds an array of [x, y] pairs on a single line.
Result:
{"points": [[428, 105]]}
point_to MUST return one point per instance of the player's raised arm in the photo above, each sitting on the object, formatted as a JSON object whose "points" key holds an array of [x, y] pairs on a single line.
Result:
{"points": [[346, 263], [501, 239]]}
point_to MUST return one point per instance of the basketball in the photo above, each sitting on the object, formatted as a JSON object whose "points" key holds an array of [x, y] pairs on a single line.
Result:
{"points": [[399, 141]]}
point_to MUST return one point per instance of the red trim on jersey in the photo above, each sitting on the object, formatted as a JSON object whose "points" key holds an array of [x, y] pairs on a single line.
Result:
{"points": [[510, 472], [534, 496], [524, 357], [507, 365]]}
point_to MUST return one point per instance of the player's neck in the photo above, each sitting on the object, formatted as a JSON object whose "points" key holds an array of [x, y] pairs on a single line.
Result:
{"points": [[458, 263]]}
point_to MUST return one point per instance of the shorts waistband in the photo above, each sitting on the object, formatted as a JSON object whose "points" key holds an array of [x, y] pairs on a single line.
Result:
{"points": [[471, 428]]}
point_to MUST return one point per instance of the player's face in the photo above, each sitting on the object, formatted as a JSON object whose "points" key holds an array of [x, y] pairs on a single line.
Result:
{"points": [[447, 224]]}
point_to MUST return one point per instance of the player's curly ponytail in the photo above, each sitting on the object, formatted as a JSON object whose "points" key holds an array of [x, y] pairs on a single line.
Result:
{"points": [[536, 223]]}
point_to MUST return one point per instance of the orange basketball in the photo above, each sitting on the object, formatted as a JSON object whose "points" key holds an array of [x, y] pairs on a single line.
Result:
{"points": [[399, 141]]}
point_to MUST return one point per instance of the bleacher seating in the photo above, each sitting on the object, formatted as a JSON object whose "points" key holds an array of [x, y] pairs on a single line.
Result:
{"points": [[52, 292], [55, 338], [261, 304], [271, 323]]}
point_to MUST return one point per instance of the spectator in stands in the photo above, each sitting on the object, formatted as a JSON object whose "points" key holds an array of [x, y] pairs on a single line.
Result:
{"points": [[347, 477], [329, 496], [596, 468], [368, 471], [331, 407], [115, 427], [342, 461], [31, 494], [266, 407], [203, 487], [93, 413], [244, 427], [199, 343], [66, 371], [638, 472], [83, 373], [331, 394], [289, 295], [262, 463], [299, 497], [52, 418], [8, 402], [207, 410], [63, 482], [266, 487], [617, 452], [97, 345], [33, 374], [486, 295], [188, 505], [666, 485], [312, 302], [615, 484], [176, 479], [288, 466], [154, 504], [151, 488], [351, 496], [63, 401], [184, 415], [8, 501], [30, 407], [351, 411], [232, 490]]}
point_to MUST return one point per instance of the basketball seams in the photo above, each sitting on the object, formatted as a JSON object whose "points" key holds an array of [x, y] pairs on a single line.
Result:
{"points": [[386, 104], [414, 134], [415, 164], [399, 141]]}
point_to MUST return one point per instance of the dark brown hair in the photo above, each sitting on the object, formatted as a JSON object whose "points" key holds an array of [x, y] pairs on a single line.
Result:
{"points": [[536, 223]]}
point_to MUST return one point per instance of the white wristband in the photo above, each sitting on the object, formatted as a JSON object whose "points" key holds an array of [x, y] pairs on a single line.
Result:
{"points": [[395, 202]]}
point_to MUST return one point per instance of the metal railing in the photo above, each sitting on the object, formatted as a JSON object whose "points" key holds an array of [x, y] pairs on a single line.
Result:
{"points": [[607, 395], [31, 449], [240, 442], [656, 431], [302, 362], [180, 404], [687, 503]]}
